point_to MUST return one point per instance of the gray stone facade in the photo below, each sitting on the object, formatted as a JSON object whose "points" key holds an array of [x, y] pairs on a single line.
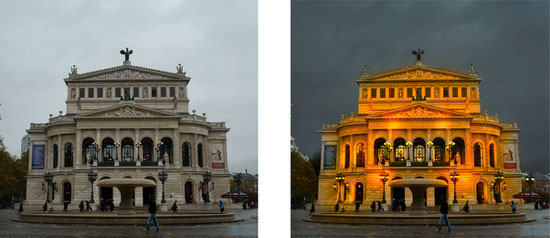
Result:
{"points": [[115, 121]]}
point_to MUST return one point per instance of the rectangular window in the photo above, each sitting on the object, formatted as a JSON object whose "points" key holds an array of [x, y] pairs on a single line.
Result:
{"points": [[163, 91], [81, 92], [445, 92], [409, 92], [455, 92], [136, 91], [99, 92], [382, 93], [154, 92], [464, 92], [172, 92], [118, 92], [127, 92], [90, 92], [373, 92], [428, 92], [392, 92]]}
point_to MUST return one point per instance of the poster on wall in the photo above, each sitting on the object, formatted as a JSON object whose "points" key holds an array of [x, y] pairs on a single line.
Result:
{"points": [[508, 153], [216, 152], [330, 157], [38, 156]]}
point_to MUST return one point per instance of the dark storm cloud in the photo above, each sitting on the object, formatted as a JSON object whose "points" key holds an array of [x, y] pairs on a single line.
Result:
{"points": [[506, 41], [215, 41]]}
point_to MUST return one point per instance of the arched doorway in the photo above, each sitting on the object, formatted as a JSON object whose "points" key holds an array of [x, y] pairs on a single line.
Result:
{"points": [[359, 193], [188, 192], [480, 191], [397, 194], [149, 192], [440, 192], [67, 191]]}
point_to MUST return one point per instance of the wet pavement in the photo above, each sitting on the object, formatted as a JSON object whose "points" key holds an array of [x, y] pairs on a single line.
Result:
{"points": [[246, 228], [538, 228]]}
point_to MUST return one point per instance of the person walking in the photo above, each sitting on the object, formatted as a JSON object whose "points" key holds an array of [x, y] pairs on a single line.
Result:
{"points": [[513, 207], [175, 206], [88, 208], [380, 209], [244, 205], [373, 207], [312, 210], [444, 214], [357, 205], [337, 207], [152, 214], [45, 207], [20, 208], [221, 206], [466, 208], [81, 206]]}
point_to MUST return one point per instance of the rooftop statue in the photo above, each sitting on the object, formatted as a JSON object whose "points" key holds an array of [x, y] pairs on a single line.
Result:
{"points": [[126, 54], [418, 54]]}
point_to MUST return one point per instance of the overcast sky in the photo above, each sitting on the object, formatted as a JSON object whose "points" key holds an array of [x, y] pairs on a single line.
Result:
{"points": [[506, 41], [215, 41]]}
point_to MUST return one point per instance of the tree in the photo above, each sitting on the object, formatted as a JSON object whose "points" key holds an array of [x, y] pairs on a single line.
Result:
{"points": [[12, 175], [303, 179], [316, 162]]}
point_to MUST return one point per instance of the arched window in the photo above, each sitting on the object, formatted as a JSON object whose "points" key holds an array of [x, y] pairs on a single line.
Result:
{"points": [[186, 155], [359, 193], [346, 156], [477, 154], [380, 150], [166, 149], [55, 155], [147, 149], [108, 149], [67, 191], [400, 149], [199, 154], [127, 150], [439, 149], [360, 159], [458, 150], [419, 146], [69, 155], [88, 150], [492, 155]]}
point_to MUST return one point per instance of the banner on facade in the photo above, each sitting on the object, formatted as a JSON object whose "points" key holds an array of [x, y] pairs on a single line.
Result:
{"points": [[509, 165], [218, 165], [330, 157], [38, 156]]}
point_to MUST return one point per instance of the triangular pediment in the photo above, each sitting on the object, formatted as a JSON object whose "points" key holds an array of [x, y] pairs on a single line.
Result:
{"points": [[127, 72], [126, 110], [418, 72], [419, 110]]}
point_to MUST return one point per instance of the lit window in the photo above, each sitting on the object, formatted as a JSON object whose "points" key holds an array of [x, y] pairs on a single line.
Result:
{"points": [[392, 92], [464, 92], [382, 93], [445, 92], [455, 92], [410, 92], [427, 92], [373, 92]]}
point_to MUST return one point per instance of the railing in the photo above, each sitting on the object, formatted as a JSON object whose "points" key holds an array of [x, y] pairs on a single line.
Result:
{"points": [[149, 163], [106, 163], [441, 163], [419, 163], [398, 164], [127, 163]]}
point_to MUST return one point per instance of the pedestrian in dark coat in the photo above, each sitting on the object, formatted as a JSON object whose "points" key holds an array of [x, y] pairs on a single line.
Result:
{"points": [[403, 206], [312, 210], [111, 206], [81, 206], [175, 206], [66, 205], [373, 207], [337, 207], [88, 208], [444, 209], [221, 206], [20, 208], [466, 208], [45, 207], [357, 205], [152, 214], [244, 205], [380, 209], [513, 207]]}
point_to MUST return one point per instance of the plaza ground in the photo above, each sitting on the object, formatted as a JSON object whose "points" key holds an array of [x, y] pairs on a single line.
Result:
{"points": [[538, 228], [246, 228]]}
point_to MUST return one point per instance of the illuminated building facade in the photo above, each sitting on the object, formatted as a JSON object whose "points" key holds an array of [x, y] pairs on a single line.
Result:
{"points": [[415, 122]]}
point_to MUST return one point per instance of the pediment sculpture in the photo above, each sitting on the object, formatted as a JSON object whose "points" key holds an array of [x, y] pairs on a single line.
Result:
{"points": [[126, 112], [418, 112], [128, 73]]}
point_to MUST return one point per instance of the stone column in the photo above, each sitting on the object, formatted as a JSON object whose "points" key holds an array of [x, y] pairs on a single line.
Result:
{"points": [[118, 151], [98, 139], [177, 149], [136, 154], [59, 152], [430, 197], [430, 152], [194, 160], [486, 163], [352, 154], [77, 157], [468, 153], [226, 170], [410, 151], [155, 156], [448, 141], [369, 148], [390, 153]]}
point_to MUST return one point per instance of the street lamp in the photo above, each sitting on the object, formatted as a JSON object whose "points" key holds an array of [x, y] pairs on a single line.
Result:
{"points": [[97, 149], [530, 180], [48, 177], [340, 178], [430, 145], [162, 177], [92, 176], [138, 145], [449, 149], [238, 180], [454, 177], [207, 177], [116, 149], [384, 176], [408, 144], [499, 176], [389, 148]]}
